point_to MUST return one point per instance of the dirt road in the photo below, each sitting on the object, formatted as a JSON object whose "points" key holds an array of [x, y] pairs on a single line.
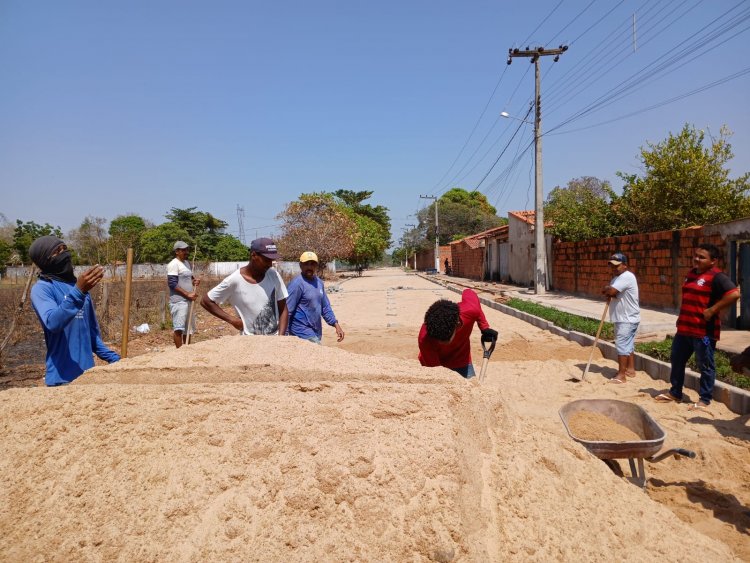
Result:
{"points": [[531, 368], [267, 449]]}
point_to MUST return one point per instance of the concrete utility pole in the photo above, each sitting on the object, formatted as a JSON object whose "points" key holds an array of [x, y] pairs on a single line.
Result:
{"points": [[415, 251], [437, 240], [540, 276]]}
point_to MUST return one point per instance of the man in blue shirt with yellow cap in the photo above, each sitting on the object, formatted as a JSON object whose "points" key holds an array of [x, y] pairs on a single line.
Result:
{"points": [[308, 302]]}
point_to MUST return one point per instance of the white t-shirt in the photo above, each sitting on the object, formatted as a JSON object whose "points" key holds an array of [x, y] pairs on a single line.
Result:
{"points": [[255, 303], [184, 279], [624, 307]]}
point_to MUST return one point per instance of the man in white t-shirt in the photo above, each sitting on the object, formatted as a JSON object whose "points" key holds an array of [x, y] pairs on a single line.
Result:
{"points": [[624, 313], [256, 292], [182, 292]]}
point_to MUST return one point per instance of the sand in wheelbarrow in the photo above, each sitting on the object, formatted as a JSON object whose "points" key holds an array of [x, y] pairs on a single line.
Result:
{"points": [[596, 427], [275, 449]]}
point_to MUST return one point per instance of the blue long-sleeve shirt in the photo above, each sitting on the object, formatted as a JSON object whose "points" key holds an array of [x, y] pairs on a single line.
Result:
{"points": [[71, 330], [307, 303]]}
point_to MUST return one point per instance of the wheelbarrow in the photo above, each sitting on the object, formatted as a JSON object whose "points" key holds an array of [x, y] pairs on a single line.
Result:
{"points": [[636, 419]]}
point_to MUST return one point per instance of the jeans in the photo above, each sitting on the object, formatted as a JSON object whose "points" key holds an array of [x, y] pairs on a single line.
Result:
{"points": [[466, 371], [682, 348]]}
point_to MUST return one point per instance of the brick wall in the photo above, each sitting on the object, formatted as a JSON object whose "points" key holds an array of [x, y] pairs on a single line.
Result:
{"points": [[426, 258], [467, 262], [658, 260]]}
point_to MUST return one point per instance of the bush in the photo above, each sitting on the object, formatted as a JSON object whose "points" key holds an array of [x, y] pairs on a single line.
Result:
{"points": [[662, 351], [564, 320]]}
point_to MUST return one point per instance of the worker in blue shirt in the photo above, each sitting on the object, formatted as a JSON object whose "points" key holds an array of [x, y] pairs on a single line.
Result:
{"points": [[66, 312], [308, 302]]}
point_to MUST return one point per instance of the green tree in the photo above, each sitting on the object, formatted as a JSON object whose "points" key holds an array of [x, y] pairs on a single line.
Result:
{"points": [[196, 223], [686, 183], [316, 222], [156, 243], [353, 200], [582, 210], [125, 232], [230, 249], [460, 213], [27, 232], [370, 242]]}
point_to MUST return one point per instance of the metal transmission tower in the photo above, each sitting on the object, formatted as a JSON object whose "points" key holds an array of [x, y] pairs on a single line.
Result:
{"points": [[241, 223], [437, 242], [540, 276]]}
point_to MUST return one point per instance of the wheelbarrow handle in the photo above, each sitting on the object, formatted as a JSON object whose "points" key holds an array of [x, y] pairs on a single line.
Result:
{"points": [[488, 351], [674, 451]]}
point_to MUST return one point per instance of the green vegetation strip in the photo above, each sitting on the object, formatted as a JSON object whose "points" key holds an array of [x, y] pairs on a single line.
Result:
{"points": [[659, 350]]}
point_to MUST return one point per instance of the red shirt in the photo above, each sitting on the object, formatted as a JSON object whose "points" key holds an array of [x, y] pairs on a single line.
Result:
{"points": [[457, 352], [699, 292]]}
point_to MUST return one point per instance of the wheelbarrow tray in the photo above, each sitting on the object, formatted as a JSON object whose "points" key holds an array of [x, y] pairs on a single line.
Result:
{"points": [[627, 414]]}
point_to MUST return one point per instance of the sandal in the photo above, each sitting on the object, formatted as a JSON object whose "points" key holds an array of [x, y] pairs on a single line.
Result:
{"points": [[666, 398], [699, 407]]}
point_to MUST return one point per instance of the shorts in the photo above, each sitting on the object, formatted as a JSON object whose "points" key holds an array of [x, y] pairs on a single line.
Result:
{"points": [[179, 313], [625, 338]]}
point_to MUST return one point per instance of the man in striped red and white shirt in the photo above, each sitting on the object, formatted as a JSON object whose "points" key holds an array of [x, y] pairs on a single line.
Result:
{"points": [[707, 291]]}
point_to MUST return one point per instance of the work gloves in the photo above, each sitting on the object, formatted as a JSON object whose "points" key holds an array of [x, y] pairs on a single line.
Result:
{"points": [[489, 335]]}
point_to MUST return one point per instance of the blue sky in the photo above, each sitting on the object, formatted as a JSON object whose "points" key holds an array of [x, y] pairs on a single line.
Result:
{"points": [[109, 108]]}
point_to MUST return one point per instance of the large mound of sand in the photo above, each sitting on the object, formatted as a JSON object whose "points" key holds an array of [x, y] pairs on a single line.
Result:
{"points": [[271, 448]]}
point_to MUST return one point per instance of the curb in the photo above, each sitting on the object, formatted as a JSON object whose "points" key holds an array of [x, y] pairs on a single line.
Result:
{"points": [[737, 400]]}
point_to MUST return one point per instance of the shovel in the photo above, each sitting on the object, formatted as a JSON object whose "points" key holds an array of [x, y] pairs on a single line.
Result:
{"points": [[596, 340], [486, 357]]}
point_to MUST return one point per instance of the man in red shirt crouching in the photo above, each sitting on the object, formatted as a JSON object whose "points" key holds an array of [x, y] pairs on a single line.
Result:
{"points": [[444, 336]]}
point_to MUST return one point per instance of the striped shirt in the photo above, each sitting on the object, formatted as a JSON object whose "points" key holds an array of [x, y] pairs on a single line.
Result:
{"points": [[699, 292]]}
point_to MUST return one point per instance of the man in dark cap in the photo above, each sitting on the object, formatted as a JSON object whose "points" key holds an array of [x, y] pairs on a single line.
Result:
{"points": [[66, 312], [256, 292], [624, 313]]}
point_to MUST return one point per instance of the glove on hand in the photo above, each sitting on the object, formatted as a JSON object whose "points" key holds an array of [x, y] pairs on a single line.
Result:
{"points": [[489, 335]]}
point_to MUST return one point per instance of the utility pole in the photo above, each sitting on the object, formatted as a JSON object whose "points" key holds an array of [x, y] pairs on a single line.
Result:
{"points": [[540, 274], [437, 241], [415, 251]]}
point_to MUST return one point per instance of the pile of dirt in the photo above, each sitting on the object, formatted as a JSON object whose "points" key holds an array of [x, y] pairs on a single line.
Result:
{"points": [[272, 448]]}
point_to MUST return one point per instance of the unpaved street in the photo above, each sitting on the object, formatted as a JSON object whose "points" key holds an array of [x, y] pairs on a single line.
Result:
{"points": [[269, 449]]}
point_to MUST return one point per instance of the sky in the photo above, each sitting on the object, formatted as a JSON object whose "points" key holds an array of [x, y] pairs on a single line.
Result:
{"points": [[110, 108]]}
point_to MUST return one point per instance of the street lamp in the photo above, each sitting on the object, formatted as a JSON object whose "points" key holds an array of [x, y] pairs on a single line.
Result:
{"points": [[509, 116]]}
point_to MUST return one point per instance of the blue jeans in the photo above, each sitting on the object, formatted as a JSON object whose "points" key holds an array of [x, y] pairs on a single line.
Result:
{"points": [[682, 348], [466, 371]]}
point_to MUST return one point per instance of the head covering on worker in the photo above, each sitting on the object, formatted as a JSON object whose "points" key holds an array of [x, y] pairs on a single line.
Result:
{"points": [[618, 258], [180, 244], [308, 257], [265, 247], [58, 267]]}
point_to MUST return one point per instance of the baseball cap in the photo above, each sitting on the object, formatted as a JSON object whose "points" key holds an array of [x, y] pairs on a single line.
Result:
{"points": [[265, 247], [307, 256], [180, 244], [618, 258]]}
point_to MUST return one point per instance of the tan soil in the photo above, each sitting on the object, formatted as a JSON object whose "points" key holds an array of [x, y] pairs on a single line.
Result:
{"points": [[275, 449], [595, 427]]}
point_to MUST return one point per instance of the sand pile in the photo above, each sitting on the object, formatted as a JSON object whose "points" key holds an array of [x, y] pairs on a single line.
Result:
{"points": [[268, 449]]}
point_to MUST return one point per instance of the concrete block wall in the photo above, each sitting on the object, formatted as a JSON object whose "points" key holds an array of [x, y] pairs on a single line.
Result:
{"points": [[658, 260]]}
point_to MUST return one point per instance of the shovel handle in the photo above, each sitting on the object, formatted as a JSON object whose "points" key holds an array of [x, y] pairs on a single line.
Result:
{"points": [[488, 351]]}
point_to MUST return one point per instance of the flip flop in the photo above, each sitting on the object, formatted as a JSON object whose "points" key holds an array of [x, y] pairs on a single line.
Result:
{"points": [[699, 407], [616, 381], [666, 398]]}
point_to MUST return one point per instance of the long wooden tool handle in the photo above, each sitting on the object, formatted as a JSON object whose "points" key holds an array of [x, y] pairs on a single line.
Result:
{"points": [[596, 341]]}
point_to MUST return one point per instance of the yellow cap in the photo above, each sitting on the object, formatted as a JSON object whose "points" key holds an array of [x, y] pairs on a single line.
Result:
{"points": [[307, 256]]}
